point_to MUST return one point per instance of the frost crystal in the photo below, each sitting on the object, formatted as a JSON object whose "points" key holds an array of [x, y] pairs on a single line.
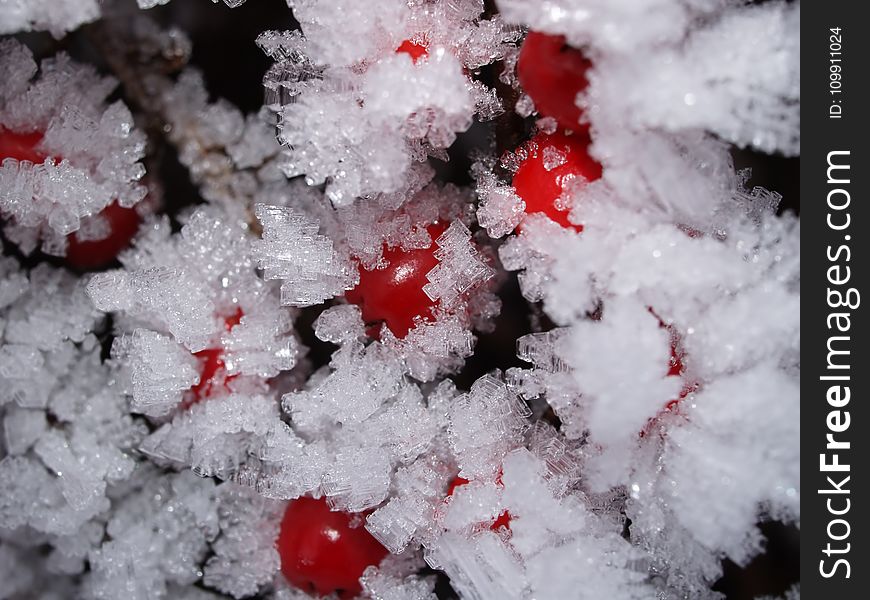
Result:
{"points": [[89, 149], [161, 370], [459, 266], [484, 425], [369, 111], [57, 17], [293, 251]]}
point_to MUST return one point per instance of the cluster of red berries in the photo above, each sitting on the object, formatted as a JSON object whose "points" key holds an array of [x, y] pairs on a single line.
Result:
{"points": [[553, 74], [324, 551], [321, 551]]}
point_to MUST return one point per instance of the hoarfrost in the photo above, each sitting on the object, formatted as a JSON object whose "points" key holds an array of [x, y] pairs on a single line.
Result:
{"points": [[89, 150]]}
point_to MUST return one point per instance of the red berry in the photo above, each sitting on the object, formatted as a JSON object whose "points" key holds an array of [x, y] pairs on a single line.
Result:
{"points": [[212, 374], [95, 254], [20, 146], [553, 162], [321, 553], [503, 520], [394, 295], [85, 254], [552, 74], [414, 50]]}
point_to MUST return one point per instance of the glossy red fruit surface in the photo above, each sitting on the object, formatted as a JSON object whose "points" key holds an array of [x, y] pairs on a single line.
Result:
{"points": [[321, 553], [95, 254], [503, 520], [394, 295], [553, 163], [552, 74], [414, 50], [20, 146]]}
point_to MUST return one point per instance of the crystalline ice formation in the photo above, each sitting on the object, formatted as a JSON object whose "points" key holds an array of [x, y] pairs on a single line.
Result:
{"points": [[160, 369], [200, 291], [55, 16], [68, 438], [370, 111], [387, 586], [484, 425], [410, 513], [500, 209], [230, 156], [433, 348], [245, 557], [459, 266], [46, 314], [214, 437], [292, 250], [155, 538], [90, 149], [741, 100], [704, 287], [68, 465]]}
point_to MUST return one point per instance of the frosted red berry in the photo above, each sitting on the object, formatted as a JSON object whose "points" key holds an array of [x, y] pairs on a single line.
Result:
{"points": [[213, 377], [553, 163], [321, 552], [81, 254], [414, 50], [95, 254], [394, 295], [552, 73]]}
